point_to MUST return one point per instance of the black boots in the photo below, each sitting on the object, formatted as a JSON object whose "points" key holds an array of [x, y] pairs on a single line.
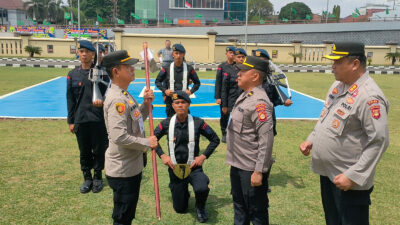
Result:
{"points": [[97, 182], [201, 198], [88, 183], [201, 214], [223, 137]]}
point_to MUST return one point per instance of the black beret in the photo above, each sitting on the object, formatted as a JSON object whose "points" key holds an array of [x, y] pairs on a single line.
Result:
{"points": [[261, 53], [86, 44], [181, 95], [230, 48], [179, 48], [240, 51]]}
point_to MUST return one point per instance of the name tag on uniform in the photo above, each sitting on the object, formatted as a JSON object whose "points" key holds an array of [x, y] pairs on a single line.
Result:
{"points": [[141, 125]]}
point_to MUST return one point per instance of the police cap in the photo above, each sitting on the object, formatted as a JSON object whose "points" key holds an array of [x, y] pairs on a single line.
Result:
{"points": [[118, 58], [181, 95], [179, 48], [230, 48], [342, 49], [86, 44], [252, 62]]}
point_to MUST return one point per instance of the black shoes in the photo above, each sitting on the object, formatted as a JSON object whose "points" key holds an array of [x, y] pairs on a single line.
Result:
{"points": [[224, 138], [86, 186], [97, 185], [201, 215]]}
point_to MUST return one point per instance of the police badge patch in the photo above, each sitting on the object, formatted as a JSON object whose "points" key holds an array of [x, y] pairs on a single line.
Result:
{"points": [[120, 107]]}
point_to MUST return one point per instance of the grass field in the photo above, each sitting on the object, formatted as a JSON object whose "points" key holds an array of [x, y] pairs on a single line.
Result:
{"points": [[40, 173]]}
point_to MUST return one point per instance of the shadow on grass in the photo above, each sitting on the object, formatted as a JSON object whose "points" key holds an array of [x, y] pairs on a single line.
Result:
{"points": [[283, 178]]}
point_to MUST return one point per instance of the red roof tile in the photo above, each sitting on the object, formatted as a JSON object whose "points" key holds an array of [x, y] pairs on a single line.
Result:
{"points": [[11, 4]]}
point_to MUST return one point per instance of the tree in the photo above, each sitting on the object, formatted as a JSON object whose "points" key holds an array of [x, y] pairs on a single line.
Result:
{"points": [[295, 56], [32, 50], [295, 11], [34, 9], [260, 9], [392, 56], [336, 12]]}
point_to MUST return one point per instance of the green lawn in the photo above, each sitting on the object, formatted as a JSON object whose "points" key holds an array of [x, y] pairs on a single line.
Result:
{"points": [[40, 173]]}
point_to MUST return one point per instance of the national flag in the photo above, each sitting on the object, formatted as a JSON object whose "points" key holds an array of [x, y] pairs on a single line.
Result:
{"points": [[293, 11], [100, 19], [308, 17], [188, 5], [67, 15], [120, 21]]}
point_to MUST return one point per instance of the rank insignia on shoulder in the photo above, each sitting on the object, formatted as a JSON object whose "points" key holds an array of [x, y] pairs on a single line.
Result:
{"points": [[120, 107], [260, 107], [335, 123], [335, 91], [262, 116], [350, 100], [125, 93], [250, 93], [355, 94], [130, 102], [376, 111], [136, 114], [353, 88], [374, 101]]}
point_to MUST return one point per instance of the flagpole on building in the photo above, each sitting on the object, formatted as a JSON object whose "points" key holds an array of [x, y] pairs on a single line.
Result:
{"points": [[247, 20]]}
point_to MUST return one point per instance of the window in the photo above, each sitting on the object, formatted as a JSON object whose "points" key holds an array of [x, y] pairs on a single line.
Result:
{"points": [[197, 4], [49, 48]]}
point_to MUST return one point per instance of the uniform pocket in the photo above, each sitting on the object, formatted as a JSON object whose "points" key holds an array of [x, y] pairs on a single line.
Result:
{"points": [[338, 121]]}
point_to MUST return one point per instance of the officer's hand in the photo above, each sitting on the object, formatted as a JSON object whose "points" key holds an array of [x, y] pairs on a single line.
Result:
{"points": [[71, 128], [342, 182], [167, 161], [148, 96], [168, 93], [98, 103], [218, 101], [188, 92], [256, 179], [225, 110], [288, 102], [190, 81], [153, 141], [198, 161], [305, 148]]}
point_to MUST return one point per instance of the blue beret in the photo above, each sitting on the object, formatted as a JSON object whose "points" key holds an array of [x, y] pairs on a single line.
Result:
{"points": [[240, 51], [261, 53], [181, 95], [230, 48], [101, 47], [179, 48], [86, 44]]}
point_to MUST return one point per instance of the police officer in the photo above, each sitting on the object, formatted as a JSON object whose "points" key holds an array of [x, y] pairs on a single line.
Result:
{"points": [[224, 69], [176, 76], [350, 137], [230, 90], [249, 144], [127, 142], [185, 161], [85, 119]]}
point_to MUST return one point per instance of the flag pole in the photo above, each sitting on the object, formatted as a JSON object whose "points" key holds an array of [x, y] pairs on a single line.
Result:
{"points": [[153, 152]]}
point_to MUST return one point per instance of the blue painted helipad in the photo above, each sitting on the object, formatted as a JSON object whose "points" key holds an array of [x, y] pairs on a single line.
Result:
{"points": [[48, 100]]}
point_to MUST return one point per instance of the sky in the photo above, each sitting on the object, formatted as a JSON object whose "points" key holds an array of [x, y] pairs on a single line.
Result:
{"points": [[317, 6]]}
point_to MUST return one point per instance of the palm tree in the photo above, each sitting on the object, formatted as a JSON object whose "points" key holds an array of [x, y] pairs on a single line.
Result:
{"points": [[35, 9], [392, 56], [295, 56], [32, 50]]}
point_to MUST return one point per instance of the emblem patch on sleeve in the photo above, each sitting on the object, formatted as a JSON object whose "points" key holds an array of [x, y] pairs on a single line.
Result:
{"points": [[260, 107], [120, 107], [335, 91], [376, 111], [262, 116], [335, 124], [136, 114], [374, 101]]}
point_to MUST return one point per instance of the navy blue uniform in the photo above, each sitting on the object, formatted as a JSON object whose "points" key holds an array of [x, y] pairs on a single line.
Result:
{"points": [[197, 178], [230, 90], [162, 83]]}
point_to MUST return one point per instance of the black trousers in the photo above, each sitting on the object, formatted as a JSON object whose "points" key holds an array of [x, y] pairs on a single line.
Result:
{"points": [[168, 107], [223, 122], [180, 193], [344, 207], [249, 203], [126, 195], [93, 142]]}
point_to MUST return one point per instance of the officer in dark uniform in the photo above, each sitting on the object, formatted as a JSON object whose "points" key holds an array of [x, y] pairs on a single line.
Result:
{"points": [[224, 68], [180, 79], [185, 162], [86, 120], [230, 90]]}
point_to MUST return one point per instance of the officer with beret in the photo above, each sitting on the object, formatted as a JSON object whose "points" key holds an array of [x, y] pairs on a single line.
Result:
{"points": [[185, 161], [224, 69], [85, 119], [124, 119], [349, 138], [230, 90], [176, 76], [249, 140]]}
